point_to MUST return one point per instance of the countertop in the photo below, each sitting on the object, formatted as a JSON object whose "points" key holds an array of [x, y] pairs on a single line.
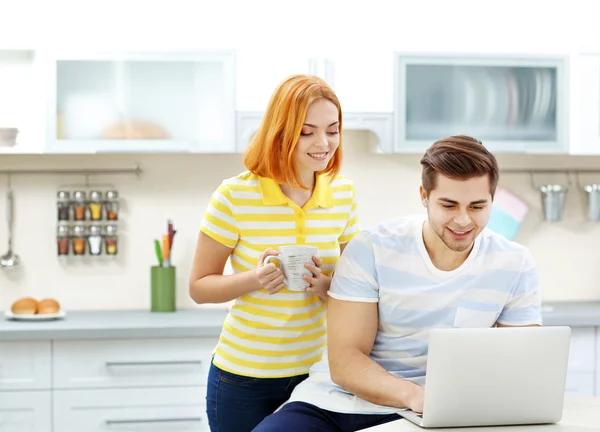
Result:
{"points": [[207, 322], [574, 314], [580, 414], [118, 324]]}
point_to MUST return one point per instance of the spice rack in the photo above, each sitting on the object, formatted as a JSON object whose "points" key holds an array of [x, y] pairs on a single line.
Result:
{"points": [[65, 232], [87, 221]]}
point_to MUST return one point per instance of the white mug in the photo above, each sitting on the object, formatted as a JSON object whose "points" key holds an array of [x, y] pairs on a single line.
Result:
{"points": [[293, 260]]}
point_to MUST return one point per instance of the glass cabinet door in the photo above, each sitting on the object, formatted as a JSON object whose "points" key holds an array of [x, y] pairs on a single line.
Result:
{"points": [[166, 102], [511, 105]]}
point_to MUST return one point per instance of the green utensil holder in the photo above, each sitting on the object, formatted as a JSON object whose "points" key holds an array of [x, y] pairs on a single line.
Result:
{"points": [[162, 281]]}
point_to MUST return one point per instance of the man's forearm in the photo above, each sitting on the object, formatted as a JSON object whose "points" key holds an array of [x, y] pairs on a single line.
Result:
{"points": [[362, 376]]}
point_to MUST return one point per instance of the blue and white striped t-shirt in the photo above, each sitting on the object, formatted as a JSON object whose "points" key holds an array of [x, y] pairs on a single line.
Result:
{"points": [[390, 265]]}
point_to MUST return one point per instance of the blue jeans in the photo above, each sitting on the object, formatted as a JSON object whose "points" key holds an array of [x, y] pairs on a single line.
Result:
{"points": [[303, 417], [236, 403]]}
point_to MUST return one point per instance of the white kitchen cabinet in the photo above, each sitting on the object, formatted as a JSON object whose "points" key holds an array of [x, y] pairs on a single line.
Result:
{"points": [[22, 103], [26, 411], [580, 383], [25, 365], [131, 363], [587, 30], [364, 81], [582, 366], [141, 102], [513, 104], [597, 362], [586, 105], [380, 124], [363, 86], [155, 409], [582, 354], [260, 71]]}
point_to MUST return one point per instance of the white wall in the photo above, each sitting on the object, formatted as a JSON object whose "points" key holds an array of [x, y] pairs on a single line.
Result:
{"points": [[178, 187]]}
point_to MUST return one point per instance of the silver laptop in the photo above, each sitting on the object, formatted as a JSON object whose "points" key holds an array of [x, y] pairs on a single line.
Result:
{"points": [[494, 376]]}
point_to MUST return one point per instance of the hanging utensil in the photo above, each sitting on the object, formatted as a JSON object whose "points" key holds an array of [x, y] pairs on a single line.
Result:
{"points": [[9, 259]]}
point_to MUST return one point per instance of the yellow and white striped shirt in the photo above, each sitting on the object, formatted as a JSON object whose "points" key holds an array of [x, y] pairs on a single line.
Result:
{"points": [[279, 335]]}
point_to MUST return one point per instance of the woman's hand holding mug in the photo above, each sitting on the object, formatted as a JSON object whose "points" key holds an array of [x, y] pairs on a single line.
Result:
{"points": [[269, 275], [319, 283], [292, 271]]}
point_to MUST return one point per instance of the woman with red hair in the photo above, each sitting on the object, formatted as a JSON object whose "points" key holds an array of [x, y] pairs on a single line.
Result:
{"points": [[291, 194]]}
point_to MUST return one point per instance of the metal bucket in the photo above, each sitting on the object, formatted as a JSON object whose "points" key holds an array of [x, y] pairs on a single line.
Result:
{"points": [[593, 202], [553, 201]]}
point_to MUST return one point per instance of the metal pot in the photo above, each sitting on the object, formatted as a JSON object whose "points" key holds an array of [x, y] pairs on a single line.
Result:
{"points": [[553, 201], [593, 202]]}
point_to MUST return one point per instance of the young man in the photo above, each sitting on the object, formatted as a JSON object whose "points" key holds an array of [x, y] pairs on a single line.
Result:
{"points": [[404, 277]]}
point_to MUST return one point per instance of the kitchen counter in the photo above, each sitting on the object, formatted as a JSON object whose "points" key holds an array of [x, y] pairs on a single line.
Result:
{"points": [[118, 324], [574, 314], [207, 322], [580, 414]]}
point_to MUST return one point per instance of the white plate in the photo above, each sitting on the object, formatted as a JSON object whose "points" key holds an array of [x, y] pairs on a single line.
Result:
{"points": [[43, 317]]}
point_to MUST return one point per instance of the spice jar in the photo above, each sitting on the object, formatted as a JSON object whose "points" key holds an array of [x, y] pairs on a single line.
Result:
{"points": [[79, 240], [63, 199], [62, 238], [79, 205], [95, 240], [112, 205], [110, 239], [95, 205]]}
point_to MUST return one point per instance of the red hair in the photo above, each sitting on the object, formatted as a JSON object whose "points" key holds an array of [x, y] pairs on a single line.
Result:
{"points": [[271, 150]]}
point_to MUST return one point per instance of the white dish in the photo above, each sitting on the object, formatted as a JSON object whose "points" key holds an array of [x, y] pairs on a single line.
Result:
{"points": [[43, 317]]}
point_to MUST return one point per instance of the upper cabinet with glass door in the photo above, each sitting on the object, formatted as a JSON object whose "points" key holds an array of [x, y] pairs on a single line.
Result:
{"points": [[142, 102], [513, 105]]}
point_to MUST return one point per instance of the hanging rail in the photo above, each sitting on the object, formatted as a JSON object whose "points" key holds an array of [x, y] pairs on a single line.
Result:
{"points": [[136, 170], [567, 172]]}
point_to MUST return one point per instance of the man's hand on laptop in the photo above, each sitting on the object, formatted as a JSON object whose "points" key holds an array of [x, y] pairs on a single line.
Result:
{"points": [[415, 399]]}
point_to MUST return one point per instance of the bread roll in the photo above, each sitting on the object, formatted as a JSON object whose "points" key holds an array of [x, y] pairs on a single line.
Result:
{"points": [[24, 306], [48, 306]]}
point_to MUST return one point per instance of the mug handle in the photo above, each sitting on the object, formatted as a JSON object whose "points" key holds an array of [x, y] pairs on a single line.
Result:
{"points": [[275, 257]]}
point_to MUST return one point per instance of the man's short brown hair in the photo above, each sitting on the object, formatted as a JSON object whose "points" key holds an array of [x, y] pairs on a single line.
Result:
{"points": [[458, 157]]}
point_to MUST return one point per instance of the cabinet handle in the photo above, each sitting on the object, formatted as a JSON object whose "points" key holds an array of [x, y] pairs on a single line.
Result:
{"points": [[155, 363], [158, 420]]}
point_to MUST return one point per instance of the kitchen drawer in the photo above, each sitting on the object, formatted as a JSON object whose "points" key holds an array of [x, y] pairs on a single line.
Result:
{"points": [[25, 365], [598, 362], [156, 409], [582, 355], [580, 383], [131, 363], [26, 411]]}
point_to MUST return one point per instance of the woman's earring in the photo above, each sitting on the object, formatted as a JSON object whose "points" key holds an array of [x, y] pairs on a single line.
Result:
{"points": [[425, 203]]}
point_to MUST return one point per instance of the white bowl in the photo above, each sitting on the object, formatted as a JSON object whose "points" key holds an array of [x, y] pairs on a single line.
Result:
{"points": [[8, 136]]}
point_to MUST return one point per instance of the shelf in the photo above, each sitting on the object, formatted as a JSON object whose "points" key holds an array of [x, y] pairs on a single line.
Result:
{"points": [[136, 170], [380, 124]]}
